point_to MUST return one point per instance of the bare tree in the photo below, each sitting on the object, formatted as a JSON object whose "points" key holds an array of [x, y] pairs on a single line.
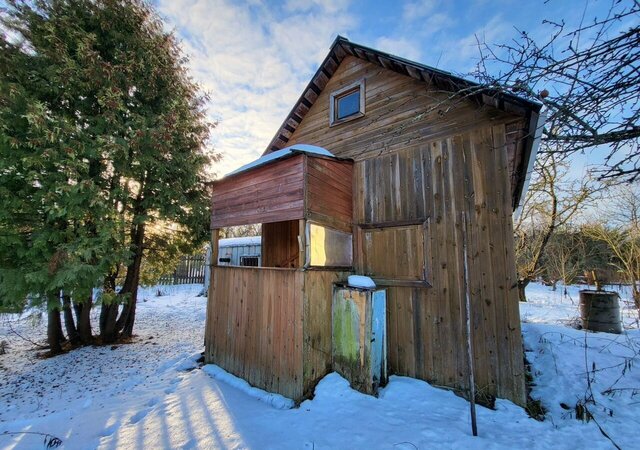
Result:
{"points": [[624, 206], [565, 257], [551, 202], [587, 78], [622, 234], [241, 231]]}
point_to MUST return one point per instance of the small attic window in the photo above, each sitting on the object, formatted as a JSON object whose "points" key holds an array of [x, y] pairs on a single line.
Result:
{"points": [[347, 103]]}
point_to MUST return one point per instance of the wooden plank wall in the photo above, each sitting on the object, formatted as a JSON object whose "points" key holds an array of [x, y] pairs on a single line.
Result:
{"points": [[272, 327], [400, 110], [329, 192], [255, 325], [467, 173], [415, 163], [318, 294], [280, 244], [271, 193]]}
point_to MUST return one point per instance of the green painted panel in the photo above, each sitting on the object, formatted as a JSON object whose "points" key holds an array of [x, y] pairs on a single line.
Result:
{"points": [[346, 333]]}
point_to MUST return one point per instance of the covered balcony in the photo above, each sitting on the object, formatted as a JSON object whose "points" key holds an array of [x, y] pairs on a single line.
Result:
{"points": [[271, 325]]}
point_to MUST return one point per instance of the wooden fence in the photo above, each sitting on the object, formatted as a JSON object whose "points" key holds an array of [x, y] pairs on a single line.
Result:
{"points": [[271, 326], [190, 270], [254, 326]]}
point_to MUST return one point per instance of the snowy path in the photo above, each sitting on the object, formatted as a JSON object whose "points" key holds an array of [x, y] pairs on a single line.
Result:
{"points": [[82, 395], [151, 394]]}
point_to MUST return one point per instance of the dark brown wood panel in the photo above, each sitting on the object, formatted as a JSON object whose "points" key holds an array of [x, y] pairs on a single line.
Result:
{"points": [[516, 134], [298, 187], [271, 193], [395, 253], [330, 190], [280, 244], [396, 187]]}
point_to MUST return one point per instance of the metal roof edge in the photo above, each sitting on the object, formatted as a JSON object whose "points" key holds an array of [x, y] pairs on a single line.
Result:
{"points": [[535, 130]]}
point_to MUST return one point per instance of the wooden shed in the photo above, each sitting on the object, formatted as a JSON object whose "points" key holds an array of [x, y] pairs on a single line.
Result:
{"points": [[395, 170]]}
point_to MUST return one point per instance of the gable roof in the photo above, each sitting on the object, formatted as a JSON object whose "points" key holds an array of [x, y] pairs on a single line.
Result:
{"points": [[342, 47]]}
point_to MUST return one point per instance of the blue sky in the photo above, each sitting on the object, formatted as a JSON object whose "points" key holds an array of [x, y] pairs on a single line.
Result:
{"points": [[255, 56]]}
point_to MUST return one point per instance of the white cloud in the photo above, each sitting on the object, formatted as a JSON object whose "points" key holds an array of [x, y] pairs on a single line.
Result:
{"points": [[419, 9], [417, 29], [330, 6], [402, 47], [462, 54], [254, 62], [434, 23]]}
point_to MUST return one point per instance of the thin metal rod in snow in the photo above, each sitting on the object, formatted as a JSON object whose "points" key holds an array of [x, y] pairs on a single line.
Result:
{"points": [[467, 313]]}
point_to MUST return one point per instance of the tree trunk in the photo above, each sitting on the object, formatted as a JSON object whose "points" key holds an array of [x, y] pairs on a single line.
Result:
{"points": [[114, 325], [522, 285], [69, 323], [108, 316], [54, 330], [127, 330], [109, 312], [130, 287], [77, 308], [83, 316]]}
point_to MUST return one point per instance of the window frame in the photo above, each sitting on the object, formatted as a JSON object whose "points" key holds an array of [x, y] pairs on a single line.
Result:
{"points": [[309, 243], [358, 86], [423, 281], [243, 257]]}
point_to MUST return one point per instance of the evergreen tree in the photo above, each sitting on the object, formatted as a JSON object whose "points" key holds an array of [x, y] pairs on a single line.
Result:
{"points": [[102, 134]]}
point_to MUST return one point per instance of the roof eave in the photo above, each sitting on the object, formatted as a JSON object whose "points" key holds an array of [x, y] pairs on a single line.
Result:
{"points": [[536, 125]]}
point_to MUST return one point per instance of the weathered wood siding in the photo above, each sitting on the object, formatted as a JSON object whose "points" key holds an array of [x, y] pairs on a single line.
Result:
{"points": [[255, 329], [318, 291], [272, 193], [399, 111], [297, 187], [272, 327], [329, 192], [415, 163]]}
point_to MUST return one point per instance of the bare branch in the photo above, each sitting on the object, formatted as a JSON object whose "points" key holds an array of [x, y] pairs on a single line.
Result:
{"points": [[587, 79]]}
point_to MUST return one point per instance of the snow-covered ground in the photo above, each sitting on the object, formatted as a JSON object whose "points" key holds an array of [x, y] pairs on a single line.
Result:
{"points": [[152, 393]]}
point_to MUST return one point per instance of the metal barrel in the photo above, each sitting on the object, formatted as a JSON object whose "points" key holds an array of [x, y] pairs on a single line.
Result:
{"points": [[600, 311]]}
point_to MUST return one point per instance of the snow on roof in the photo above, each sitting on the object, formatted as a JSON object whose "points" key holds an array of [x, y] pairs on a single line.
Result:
{"points": [[305, 148], [240, 241]]}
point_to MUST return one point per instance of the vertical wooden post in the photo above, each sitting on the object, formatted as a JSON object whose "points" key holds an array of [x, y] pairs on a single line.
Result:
{"points": [[302, 242], [358, 249], [208, 332], [215, 238], [467, 303]]}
